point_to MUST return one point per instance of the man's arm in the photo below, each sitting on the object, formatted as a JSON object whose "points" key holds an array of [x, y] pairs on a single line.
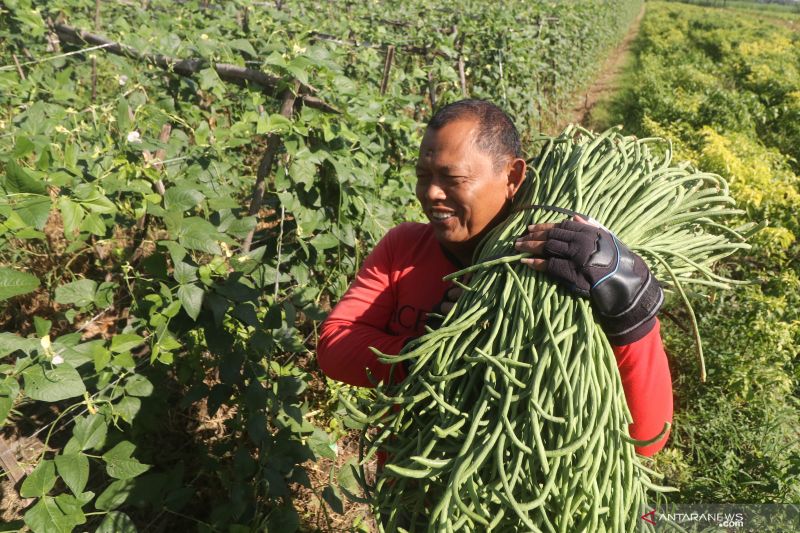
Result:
{"points": [[359, 321], [648, 387]]}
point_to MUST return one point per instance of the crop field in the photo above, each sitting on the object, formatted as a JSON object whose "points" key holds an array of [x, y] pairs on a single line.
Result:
{"points": [[724, 88], [188, 187]]}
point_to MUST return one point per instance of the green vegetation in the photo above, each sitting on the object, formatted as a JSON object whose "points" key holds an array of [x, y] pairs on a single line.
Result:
{"points": [[543, 444], [170, 240], [724, 88]]}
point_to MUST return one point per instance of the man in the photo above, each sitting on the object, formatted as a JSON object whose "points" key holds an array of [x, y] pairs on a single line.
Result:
{"points": [[469, 170]]}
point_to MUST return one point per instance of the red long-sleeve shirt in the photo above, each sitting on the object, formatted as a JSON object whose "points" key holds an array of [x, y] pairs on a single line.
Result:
{"points": [[401, 281]]}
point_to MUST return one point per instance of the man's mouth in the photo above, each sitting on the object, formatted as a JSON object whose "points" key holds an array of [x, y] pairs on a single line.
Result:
{"points": [[441, 216]]}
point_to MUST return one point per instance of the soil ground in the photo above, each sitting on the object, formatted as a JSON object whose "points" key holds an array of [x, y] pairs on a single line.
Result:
{"points": [[606, 83]]}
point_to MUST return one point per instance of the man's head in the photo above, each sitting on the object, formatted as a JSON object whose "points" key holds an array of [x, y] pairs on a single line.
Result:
{"points": [[469, 169]]}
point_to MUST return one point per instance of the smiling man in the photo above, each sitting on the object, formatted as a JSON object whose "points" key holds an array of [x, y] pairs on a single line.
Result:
{"points": [[468, 171]]}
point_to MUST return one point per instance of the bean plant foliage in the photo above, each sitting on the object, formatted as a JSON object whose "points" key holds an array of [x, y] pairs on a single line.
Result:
{"points": [[162, 368]]}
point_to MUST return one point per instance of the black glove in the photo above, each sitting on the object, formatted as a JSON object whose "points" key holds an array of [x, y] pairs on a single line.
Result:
{"points": [[432, 320], [595, 264]]}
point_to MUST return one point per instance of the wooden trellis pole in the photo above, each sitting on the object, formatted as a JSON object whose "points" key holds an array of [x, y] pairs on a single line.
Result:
{"points": [[387, 68]]}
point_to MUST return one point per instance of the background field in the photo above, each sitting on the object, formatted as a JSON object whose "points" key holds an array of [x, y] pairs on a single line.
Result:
{"points": [[177, 231]]}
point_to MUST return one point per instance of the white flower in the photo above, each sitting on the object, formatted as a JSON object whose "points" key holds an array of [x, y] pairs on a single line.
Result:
{"points": [[57, 359], [134, 137], [123, 79], [45, 343]]}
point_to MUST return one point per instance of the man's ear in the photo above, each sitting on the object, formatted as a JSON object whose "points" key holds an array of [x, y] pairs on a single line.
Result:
{"points": [[515, 173]]}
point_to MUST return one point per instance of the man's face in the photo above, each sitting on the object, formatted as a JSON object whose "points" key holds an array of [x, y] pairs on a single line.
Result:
{"points": [[459, 189]]}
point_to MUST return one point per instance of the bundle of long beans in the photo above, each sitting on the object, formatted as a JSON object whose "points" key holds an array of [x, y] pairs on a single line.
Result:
{"points": [[513, 417]]}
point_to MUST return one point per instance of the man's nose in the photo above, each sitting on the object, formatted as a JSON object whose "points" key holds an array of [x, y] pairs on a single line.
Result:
{"points": [[434, 191]]}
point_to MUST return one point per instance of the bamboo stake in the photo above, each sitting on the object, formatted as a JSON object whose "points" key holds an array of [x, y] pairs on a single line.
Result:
{"points": [[264, 167], [387, 68]]}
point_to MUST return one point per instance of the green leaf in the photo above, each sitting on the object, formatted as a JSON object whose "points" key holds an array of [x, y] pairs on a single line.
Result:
{"points": [[182, 198], [72, 214], [243, 45], [13, 283], [40, 481], [9, 391], [89, 433], [323, 241], [138, 385], [116, 522], [42, 326], [47, 516], [74, 470], [115, 495], [34, 211], [191, 297], [127, 408], [53, 384], [185, 273], [347, 479], [125, 342], [275, 123], [93, 223], [320, 443], [120, 464], [199, 234], [104, 297], [17, 180], [80, 293]]}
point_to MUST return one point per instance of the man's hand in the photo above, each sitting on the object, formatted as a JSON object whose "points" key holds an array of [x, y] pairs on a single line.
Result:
{"points": [[447, 302], [592, 263]]}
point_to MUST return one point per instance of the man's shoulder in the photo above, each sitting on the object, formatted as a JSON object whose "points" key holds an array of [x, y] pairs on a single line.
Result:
{"points": [[411, 230]]}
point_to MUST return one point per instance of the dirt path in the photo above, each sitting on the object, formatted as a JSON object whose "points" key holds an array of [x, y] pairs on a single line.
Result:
{"points": [[607, 81]]}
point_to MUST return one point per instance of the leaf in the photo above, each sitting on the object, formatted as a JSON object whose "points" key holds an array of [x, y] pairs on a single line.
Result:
{"points": [[347, 479], [9, 390], [104, 297], [275, 123], [42, 326], [185, 273], [120, 464], [125, 342], [320, 443], [80, 293], [93, 223], [127, 408], [332, 498], [199, 234], [115, 495], [13, 283], [191, 297], [243, 45], [138, 385], [48, 517], [89, 433], [182, 198], [323, 241], [72, 214], [116, 522], [74, 470], [53, 384], [34, 211], [40, 481], [17, 180]]}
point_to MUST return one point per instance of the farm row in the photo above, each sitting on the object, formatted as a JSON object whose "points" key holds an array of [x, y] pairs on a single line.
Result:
{"points": [[724, 89], [172, 232]]}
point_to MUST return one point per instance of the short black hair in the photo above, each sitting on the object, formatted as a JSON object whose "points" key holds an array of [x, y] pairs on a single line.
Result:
{"points": [[496, 135]]}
